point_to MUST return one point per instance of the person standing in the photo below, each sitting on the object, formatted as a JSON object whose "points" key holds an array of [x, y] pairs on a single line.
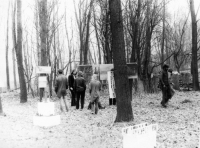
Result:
{"points": [[94, 90], [165, 86], [71, 78], [80, 87], [61, 86], [171, 84]]}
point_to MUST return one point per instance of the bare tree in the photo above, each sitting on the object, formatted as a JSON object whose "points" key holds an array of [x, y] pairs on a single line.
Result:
{"points": [[7, 50], [194, 63], [124, 108], [23, 90], [14, 43]]}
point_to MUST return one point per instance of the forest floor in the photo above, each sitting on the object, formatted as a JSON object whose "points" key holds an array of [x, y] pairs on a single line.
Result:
{"points": [[178, 124]]}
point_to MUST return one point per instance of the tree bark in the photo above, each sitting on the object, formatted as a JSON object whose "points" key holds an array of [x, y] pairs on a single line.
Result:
{"points": [[7, 48], [163, 36], [43, 36], [124, 107], [14, 44], [194, 48], [23, 90]]}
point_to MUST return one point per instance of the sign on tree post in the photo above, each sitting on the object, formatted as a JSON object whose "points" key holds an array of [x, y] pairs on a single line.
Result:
{"points": [[43, 71], [140, 136], [46, 110]]}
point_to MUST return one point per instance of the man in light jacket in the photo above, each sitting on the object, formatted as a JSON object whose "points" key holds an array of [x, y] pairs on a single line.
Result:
{"points": [[61, 86], [94, 90]]}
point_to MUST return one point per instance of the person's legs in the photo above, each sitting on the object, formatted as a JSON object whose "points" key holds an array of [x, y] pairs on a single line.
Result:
{"points": [[66, 107], [77, 101], [60, 101], [82, 99], [92, 107], [163, 102], [73, 101], [96, 105]]}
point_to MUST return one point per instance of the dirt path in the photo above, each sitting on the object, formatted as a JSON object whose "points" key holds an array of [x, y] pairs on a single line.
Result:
{"points": [[178, 124]]}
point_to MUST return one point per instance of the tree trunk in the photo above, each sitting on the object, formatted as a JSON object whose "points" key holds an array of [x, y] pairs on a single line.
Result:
{"points": [[97, 36], [124, 107], [7, 61], [14, 44], [1, 108], [23, 90], [194, 48], [163, 36], [43, 36], [147, 52]]}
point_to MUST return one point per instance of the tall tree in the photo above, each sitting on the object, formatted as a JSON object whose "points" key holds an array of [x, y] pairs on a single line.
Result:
{"points": [[23, 90], [14, 43], [163, 35], [7, 50], [43, 36], [124, 108], [194, 64]]}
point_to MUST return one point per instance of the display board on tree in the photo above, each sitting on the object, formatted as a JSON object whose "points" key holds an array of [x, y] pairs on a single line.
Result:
{"points": [[107, 73], [88, 71], [46, 110]]}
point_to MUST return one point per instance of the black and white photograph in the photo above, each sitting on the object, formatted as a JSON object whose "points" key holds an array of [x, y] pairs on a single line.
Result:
{"points": [[100, 74]]}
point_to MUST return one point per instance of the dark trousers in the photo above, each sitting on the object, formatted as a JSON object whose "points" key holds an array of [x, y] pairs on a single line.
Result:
{"points": [[80, 95], [73, 99], [166, 95]]}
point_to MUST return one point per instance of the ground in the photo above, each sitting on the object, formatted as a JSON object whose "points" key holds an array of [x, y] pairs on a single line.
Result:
{"points": [[178, 123]]}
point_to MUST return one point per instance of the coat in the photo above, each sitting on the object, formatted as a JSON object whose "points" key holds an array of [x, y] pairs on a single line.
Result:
{"points": [[71, 81], [94, 89], [61, 85], [79, 83]]}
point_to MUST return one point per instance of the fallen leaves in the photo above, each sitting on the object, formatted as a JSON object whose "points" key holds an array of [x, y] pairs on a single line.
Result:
{"points": [[178, 123]]}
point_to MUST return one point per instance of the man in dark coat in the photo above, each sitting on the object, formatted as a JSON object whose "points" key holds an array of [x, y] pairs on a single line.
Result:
{"points": [[71, 78], [61, 86], [80, 87], [165, 86]]}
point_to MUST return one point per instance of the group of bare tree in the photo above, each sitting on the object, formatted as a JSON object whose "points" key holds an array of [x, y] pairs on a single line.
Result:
{"points": [[125, 31]]}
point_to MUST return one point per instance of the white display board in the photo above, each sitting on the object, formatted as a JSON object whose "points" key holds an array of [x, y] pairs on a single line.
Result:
{"points": [[111, 84], [46, 109], [140, 136], [42, 81], [43, 69]]}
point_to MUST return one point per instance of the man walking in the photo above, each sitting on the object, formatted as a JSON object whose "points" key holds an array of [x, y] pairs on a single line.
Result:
{"points": [[165, 86], [71, 87], [61, 86], [80, 87], [94, 90]]}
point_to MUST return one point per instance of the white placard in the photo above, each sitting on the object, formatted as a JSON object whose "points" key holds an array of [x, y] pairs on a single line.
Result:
{"points": [[43, 69], [111, 84], [140, 136], [46, 109], [42, 82]]}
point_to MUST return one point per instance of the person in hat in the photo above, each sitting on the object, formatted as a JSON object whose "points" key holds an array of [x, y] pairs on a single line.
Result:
{"points": [[165, 85], [79, 88], [71, 78], [61, 86], [94, 90]]}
